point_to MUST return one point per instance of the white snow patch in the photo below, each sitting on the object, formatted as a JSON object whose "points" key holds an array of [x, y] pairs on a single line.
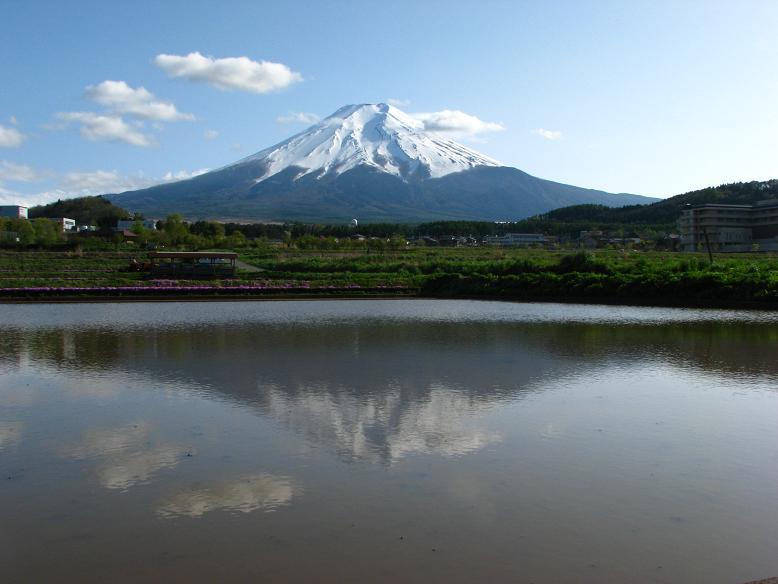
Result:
{"points": [[377, 135]]}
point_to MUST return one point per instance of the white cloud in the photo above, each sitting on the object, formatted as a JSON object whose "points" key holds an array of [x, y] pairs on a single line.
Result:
{"points": [[229, 73], [120, 99], [183, 174], [298, 118], [106, 128], [456, 122], [10, 171], [398, 102], [83, 184], [549, 134], [19, 172], [13, 120], [123, 99], [12, 198], [98, 182], [211, 134], [10, 137]]}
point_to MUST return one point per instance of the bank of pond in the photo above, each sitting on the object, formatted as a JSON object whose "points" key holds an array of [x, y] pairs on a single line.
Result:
{"points": [[658, 279]]}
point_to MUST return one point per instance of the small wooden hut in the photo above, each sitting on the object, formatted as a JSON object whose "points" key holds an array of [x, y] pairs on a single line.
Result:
{"points": [[195, 265]]}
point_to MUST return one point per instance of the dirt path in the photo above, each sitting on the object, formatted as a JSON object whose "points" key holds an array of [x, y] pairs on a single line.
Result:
{"points": [[247, 267]]}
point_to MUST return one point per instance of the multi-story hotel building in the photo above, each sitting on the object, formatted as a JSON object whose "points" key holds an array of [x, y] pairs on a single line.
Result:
{"points": [[730, 228]]}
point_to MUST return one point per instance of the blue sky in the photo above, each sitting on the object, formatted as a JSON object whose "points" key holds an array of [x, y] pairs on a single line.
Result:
{"points": [[653, 98]]}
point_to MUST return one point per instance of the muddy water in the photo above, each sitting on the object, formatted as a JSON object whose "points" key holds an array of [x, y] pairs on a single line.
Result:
{"points": [[387, 441]]}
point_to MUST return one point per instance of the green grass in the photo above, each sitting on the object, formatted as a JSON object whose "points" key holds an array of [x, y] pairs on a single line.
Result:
{"points": [[528, 274]]}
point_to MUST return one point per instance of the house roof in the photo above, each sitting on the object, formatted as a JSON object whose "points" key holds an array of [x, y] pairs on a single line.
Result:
{"points": [[226, 255]]}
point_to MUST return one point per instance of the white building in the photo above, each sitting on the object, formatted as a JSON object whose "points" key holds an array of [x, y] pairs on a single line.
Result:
{"points": [[65, 224], [519, 239], [14, 211]]}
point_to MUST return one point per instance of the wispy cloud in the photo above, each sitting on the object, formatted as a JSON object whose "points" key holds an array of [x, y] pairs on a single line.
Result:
{"points": [[11, 137], [228, 73], [120, 98], [99, 182], [14, 172], [106, 128], [298, 118], [183, 174], [80, 183], [211, 134], [549, 134], [456, 122], [398, 102]]}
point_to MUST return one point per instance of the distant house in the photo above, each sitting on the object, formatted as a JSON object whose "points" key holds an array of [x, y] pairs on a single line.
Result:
{"points": [[521, 239], [14, 211], [65, 224], [597, 239], [448, 241], [592, 239], [123, 224], [127, 235]]}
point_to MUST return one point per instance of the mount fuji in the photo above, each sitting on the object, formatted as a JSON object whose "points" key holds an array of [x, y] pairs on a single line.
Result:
{"points": [[372, 162]]}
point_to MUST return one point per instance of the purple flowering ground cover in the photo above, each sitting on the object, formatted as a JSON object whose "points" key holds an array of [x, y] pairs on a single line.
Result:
{"points": [[42, 274], [198, 290]]}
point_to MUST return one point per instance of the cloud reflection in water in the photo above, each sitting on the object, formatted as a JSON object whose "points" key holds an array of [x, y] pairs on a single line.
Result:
{"points": [[127, 456], [251, 493]]}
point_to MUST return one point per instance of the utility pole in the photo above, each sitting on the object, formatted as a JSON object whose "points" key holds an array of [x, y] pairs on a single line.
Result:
{"points": [[707, 245]]}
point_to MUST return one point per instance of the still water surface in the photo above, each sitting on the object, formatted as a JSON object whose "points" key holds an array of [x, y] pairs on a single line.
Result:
{"points": [[387, 441]]}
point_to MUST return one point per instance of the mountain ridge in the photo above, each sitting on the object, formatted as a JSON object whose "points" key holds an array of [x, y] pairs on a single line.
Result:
{"points": [[367, 161]]}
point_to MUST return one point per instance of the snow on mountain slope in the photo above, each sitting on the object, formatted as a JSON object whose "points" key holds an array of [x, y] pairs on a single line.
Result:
{"points": [[375, 135], [370, 161]]}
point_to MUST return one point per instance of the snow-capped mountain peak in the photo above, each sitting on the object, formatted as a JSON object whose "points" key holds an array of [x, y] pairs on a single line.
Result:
{"points": [[374, 135]]}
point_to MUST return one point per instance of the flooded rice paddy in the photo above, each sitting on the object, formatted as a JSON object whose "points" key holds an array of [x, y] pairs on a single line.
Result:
{"points": [[406, 440]]}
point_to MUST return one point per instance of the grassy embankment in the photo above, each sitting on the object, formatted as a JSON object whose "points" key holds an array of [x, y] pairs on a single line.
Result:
{"points": [[521, 274]]}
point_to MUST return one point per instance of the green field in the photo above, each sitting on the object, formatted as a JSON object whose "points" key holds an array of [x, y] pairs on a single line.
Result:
{"points": [[525, 274]]}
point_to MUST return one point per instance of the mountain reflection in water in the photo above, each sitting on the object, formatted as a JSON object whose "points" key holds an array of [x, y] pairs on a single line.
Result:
{"points": [[368, 441], [377, 391]]}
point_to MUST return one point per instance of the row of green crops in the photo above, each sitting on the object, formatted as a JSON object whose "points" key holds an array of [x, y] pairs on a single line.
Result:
{"points": [[660, 278]]}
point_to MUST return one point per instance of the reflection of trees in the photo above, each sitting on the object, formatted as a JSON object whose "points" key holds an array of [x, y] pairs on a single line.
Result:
{"points": [[725, 348], [361, 358], [381, 390], [363, 352]]}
